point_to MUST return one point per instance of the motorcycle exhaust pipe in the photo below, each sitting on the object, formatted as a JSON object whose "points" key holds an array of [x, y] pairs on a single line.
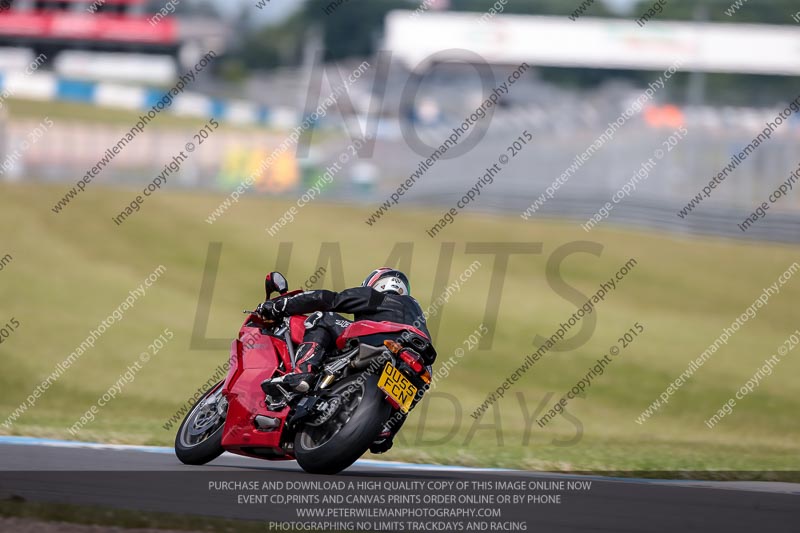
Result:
{"points": [[364, 363]]}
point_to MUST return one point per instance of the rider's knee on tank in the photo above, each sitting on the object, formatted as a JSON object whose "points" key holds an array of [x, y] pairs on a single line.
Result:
{"points": [[313, 319]]}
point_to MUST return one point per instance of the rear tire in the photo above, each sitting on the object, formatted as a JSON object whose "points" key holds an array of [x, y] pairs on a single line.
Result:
{"points": [[362, 415], [199, 439]]}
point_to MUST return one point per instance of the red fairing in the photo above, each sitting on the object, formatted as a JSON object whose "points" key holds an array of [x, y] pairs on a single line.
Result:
{"points": [[368, 327], [297, 326], [255, 357]]}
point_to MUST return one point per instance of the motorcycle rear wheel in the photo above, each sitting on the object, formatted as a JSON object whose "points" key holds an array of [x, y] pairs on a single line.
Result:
{"points": [[340, 441], [199, 439]]}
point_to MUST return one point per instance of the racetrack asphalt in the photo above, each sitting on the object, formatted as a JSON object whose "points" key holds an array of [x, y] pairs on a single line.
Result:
{"points": [[152, 479]]}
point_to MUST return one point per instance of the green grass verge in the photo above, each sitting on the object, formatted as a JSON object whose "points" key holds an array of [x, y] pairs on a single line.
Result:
{"points": [[69, 271]]}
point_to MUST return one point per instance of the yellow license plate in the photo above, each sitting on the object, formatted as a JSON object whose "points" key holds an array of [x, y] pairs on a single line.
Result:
{"points": [[397, 386]]}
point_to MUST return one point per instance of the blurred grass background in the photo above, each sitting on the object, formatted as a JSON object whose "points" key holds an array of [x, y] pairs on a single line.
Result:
{"points": [[69, 271]]}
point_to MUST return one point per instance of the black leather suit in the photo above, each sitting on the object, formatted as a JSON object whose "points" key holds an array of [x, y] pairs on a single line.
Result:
{"points": [[325, 325]]}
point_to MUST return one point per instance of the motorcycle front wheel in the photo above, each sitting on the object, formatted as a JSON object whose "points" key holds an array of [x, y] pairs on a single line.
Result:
{"points": [[199, 439], [334, 445]]}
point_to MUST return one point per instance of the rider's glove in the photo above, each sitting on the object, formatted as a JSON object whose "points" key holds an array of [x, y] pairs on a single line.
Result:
{"points": [[267, 310]]}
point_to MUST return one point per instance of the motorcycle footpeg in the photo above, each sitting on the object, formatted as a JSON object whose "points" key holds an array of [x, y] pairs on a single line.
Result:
{"points": [[286, 384], [266, 423], [275, 404]]}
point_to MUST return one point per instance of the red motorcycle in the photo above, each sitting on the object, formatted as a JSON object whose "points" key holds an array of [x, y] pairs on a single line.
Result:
{"points": [[361, 392]]}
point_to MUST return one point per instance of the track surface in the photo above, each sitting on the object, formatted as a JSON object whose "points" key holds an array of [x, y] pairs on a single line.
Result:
{"points": [[152, 479]]}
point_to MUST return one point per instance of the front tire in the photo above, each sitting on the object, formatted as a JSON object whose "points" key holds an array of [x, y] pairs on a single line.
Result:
{"points": [[199, 439], [339, 442]]}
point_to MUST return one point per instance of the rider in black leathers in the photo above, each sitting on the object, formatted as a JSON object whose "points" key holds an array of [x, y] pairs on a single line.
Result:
{"points": [[384, 296]]}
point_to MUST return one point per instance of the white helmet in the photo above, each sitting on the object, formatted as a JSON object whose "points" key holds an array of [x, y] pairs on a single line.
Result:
{"points": [[388, 280]]}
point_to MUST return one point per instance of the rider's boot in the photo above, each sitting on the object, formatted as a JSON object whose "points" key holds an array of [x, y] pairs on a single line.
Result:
{"points": [[385, 439], [309, 356]]}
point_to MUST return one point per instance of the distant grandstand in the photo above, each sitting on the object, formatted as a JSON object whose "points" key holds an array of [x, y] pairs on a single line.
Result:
{"points": [[109, 39]]}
